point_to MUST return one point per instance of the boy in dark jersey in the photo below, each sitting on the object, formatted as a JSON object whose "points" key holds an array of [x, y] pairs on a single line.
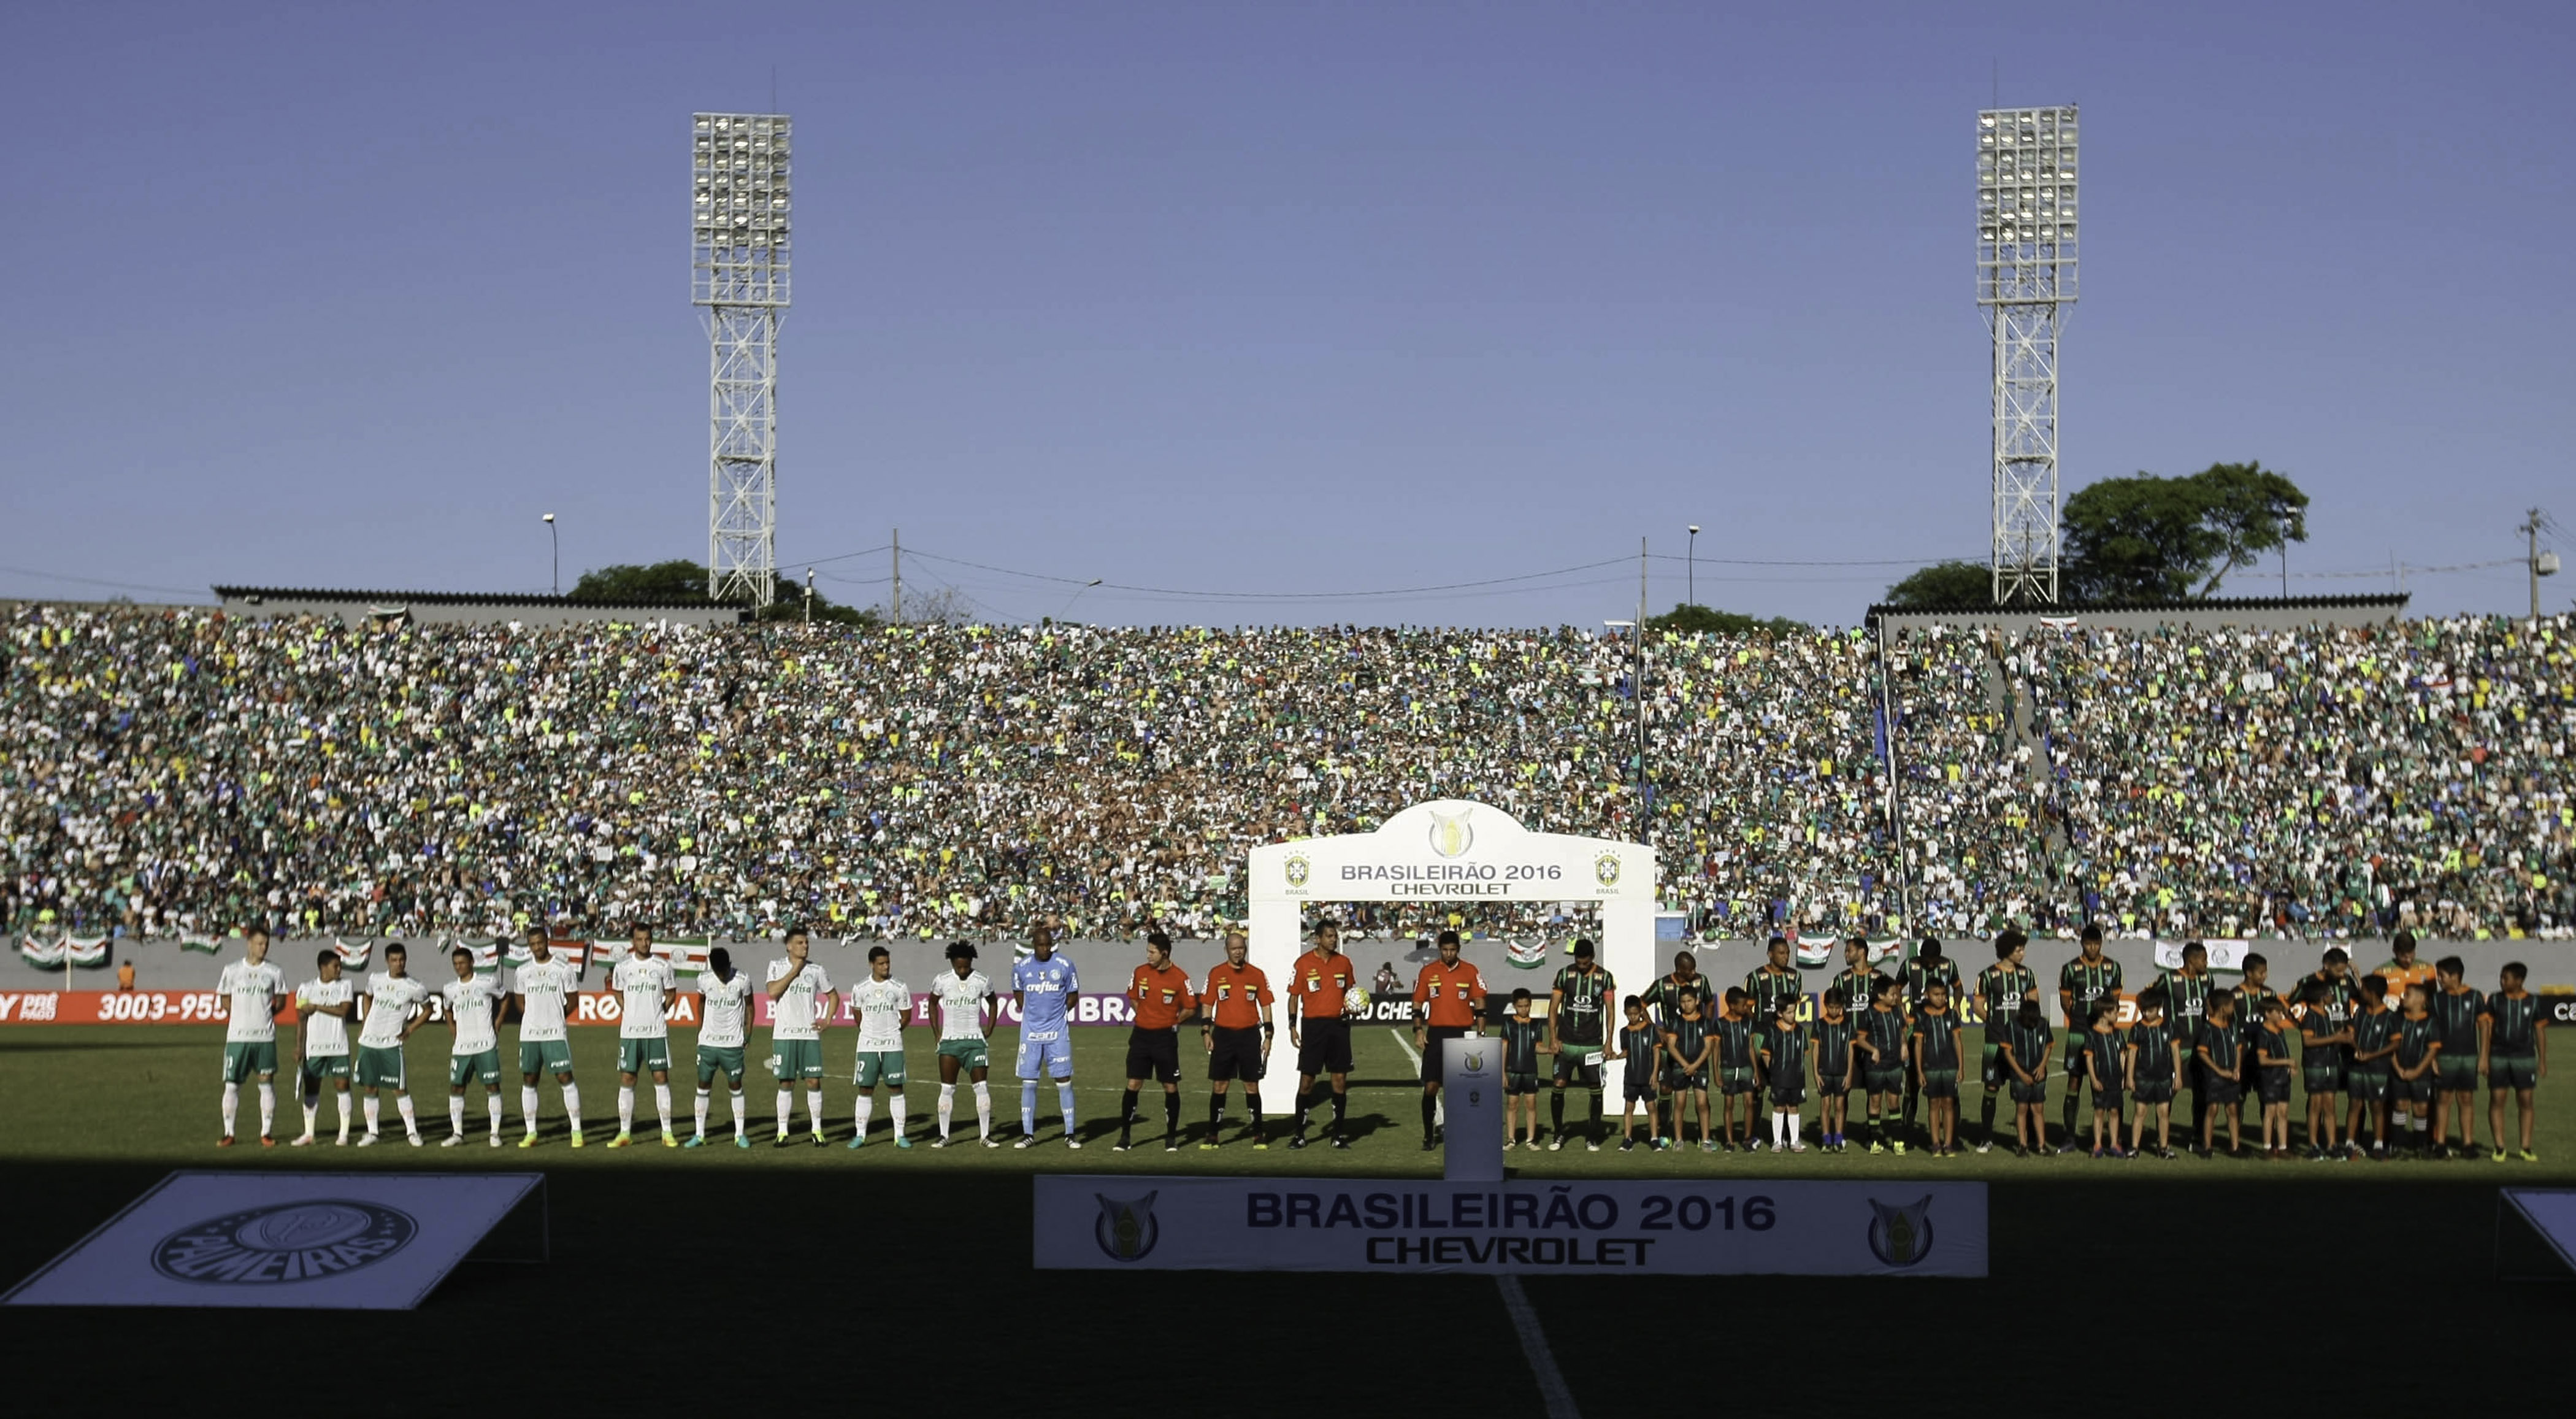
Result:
{"points": [[1642, 1046], [1885, 1067], [2153, 1069], [2367, 1072], [2220, 1052], [2325, 1038], [2342, 993], [1524, 1040], [1936, 1067], [1686, 1051], [1783, 1056], [2001, 988], [2419, 1048], [2462, 1014], [2026, 1043], [2086, 980], [2517, 1058], [2106, 1068], [1928, 965], [2253, 995], [2272, 1059], [1731, 1035], [1836, 1038]]}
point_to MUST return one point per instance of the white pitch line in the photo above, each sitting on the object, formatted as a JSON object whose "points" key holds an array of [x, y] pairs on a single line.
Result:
{"points": [[1542, 1361], [1440, 1108]]}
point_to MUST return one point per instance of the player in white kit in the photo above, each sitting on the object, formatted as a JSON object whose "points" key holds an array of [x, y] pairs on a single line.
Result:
{"points": [[646, 988], [800, 996], [323, 1006], [881, 1004], [395, 1008], [963, 992], [539, 990], [474, 1050], [724, 1021], [252, 992]]}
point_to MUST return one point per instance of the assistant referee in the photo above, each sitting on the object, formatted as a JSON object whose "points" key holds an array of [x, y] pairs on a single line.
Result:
{"points": [[1236, 1030], [1160, 992], [1448, 1004], [1319, 988]]}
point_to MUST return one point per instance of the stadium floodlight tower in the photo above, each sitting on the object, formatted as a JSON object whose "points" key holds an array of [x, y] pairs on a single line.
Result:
{"points": [[738, 274], [2025, 272]]}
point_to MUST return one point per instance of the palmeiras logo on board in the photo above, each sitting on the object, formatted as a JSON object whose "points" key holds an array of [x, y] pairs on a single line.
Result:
{"points": [[1299, 869], [1126, 1229], [284, 1242], [1900, 1236], [1450, 833]]}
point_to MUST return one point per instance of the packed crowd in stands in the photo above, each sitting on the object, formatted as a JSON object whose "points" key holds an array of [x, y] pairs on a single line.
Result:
{"points": [[177, 772]]}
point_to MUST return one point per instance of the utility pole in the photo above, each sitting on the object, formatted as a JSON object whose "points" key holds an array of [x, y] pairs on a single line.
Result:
{"points": [[895, 603], [1637, 685], [2538, 563]]}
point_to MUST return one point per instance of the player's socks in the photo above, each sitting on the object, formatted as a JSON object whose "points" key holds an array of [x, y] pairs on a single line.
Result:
{"points": [[1029, 1109], [572, 1109], [705, 1097], [741, 1115], [1126, 1114], [1986, 1117], [2066, 1113], [1430, 1109], [528, 1106], [662, 1105], [267, 1108], [1064, 1105], [814, 1110], [312, 1115], [866, 1109], [947, 1107], [492, 1113], [411, 1123], [1252, 1101], [1556, 1112], [894, 1114], [1341, 1106], [1779, 1130], [1794, 1121], [625, 1108], [786, 1113], [348, 1104], [1216, 1114], [456, 1116], [1304, 1101], [232, 1105], [1171, 1117], [984, 1107], [373, 1111]]}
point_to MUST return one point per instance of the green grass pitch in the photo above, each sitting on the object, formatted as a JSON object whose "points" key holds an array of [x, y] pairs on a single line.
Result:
{"points": [[805, 1275]]}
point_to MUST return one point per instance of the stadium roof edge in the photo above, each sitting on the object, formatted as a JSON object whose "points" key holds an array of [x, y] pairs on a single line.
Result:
{"points": [[2393, 601], [450, 598]]}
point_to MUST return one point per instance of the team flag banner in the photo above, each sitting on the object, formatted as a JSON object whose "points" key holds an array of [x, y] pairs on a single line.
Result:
{"points": [[1787, 1227], [1527, 955], [2223, 955], [88, 953], [1881, 951], [1812, 954], [301, 1241], [353, 954], [687, 958], [206, 944]]}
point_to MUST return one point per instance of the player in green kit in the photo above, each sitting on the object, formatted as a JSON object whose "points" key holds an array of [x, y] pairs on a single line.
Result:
{"points": [[1739, 1073], [1524, 1040], [1783, 1054], [323, 1006], [2001, 988], [474, 1049], [2187, 993], [2254, 997], [1855, 982], [2325, 1034], [2462, 1014], [2025, 1045], [2517, 1058], [1887, 1055], [2419, 1049], [1927, 966], [1578, 1015], [252, 992], [800, 995], [538, 991], [1936, 1067], [963, 994], [1837, 1040], [724, 1032], [1641, 1048], [646, 989], [882, 1004], [2220, 1052], [2089, 979], [2369, 1070], [1773, 981], [1686, 1050], [2271, 1064], [396, 1004], [2106, 1068]]}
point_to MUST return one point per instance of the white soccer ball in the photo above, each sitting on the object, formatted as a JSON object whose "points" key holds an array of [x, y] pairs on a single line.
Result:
{"points": [[1355, 1002]]}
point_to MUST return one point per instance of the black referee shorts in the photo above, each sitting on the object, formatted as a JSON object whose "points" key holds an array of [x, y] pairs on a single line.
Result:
{"points": [[1154, 1054], [1323, 1046], [1236, 1053], [1432, 1053]]}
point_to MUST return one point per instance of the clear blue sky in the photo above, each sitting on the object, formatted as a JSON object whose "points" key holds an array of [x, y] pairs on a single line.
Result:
{"points": [[1264, 298]]}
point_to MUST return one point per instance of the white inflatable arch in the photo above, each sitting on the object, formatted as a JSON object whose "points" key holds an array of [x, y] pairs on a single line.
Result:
{"points": [[1450, 850]]}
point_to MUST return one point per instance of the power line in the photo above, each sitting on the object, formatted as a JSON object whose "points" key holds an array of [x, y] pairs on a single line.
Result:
{"points": [[97, 581], [1278, 595], [2406, 569]]}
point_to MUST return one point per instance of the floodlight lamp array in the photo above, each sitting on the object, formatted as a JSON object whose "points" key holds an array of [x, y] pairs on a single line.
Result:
{"points": [[741, 198], [2026, 176]]}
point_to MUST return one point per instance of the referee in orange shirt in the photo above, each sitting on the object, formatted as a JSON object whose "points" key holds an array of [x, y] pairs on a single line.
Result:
{"points": [[1235, 1026], [1160, 992], [1448, 1004], [1318, 987]]}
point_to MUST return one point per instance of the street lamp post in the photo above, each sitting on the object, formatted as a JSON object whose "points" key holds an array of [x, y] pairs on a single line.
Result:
{"points": [[1637, 692], [1690, 581], [809, 596], [556, 537]]}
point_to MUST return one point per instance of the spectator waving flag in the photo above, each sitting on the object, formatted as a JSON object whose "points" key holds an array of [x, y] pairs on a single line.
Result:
{"points": [[354, 955], [1528, 955]]}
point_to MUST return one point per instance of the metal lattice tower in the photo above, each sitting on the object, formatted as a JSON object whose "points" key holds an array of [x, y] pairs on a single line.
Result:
{"points": [[2025, 272], [738, 273]]}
